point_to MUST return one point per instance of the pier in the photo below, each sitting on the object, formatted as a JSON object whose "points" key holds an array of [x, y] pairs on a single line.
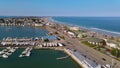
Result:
{"points": [[11, 44], [26, 52], [23, 42]]}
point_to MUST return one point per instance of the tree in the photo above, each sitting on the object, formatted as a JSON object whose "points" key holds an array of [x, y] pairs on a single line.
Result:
{"points": [[1, 21], [115, 52], [46, 40]]}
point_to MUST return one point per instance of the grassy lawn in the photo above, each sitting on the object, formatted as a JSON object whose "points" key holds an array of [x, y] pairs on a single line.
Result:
{"points": [[100, 49], [88, 44]]}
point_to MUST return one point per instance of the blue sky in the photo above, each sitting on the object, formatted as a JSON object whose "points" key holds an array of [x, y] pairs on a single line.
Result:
{"points": [[60, 7]]}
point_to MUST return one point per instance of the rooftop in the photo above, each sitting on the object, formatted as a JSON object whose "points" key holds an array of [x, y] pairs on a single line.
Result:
{"points": [[95, 40]]}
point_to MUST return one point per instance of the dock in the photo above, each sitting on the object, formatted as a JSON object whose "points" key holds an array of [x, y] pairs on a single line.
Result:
{"points": [[11, 44], [60, 58], [26, 52]]}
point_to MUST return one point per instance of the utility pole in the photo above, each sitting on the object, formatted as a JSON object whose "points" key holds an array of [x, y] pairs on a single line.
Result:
{"points": [[112, 63], [117, 53]]}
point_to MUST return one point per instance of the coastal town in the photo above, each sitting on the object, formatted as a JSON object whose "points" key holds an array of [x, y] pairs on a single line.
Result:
{"points": [[88, 48]]}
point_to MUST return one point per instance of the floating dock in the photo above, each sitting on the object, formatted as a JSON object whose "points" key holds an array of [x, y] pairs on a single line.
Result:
{"points": [[26, 52], [60, 58]]}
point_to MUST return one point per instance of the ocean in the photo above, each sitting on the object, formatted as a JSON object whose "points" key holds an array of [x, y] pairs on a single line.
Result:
{"points": [[105, 25]]}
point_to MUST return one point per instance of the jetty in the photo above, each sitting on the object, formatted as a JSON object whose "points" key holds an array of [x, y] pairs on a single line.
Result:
{"points": [[26, 52]]}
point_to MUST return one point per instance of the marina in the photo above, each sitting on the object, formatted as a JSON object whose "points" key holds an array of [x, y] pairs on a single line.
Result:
{"points": [[5, 53], [59, 34], [18, 42], [58, 38], [38, 58], [11, 44]]}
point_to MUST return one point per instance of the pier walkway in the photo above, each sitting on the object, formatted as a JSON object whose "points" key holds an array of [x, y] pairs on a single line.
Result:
{"points": [[29, 42]]}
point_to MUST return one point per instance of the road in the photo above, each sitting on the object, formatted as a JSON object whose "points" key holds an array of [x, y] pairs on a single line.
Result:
{"points": [[89, 52]]}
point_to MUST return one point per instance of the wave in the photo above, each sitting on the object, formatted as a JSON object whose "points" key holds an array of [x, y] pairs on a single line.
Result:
{"points": [[103, 31], [106, 31], [52, 19], [67, 23]]}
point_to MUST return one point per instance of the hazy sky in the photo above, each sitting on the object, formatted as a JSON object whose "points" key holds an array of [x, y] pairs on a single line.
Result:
{"points": [[60, 7]]}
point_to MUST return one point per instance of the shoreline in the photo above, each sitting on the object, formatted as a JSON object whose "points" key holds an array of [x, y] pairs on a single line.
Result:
{"points": [[73, 57], [98, 59], [94, 29]]}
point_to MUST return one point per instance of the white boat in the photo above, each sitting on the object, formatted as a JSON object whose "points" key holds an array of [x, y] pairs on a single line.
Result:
{"points": [[1, 52], [27, 54], [21, 55], [8, 53], [12, 50], [8, 47], [5, 50], [4, 56]]}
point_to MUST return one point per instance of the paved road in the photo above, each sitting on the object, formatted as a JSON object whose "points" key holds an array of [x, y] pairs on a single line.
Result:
{"points": [[89, 52]]}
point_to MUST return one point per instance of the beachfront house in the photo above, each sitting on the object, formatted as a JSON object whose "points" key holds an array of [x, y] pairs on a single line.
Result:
{"points": [[82, 35], [74, 28], [71, 34], [38, 24], [113, 44], [96, 41], [49, 38]]}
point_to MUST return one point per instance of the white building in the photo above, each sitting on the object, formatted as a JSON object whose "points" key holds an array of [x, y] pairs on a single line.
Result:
{"points": [[74, 28], [38, 24], [113, 44], [71, 34]]}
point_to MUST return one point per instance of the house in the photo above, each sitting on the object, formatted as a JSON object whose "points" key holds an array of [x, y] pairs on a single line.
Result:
{"points": [[72, 34], [113, 44], [81, 35], [50, 38], [96, 41], [74, 28], [38, 24]]}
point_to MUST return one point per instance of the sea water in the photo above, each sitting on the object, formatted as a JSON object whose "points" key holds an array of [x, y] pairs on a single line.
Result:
{"points": [[106, 25]]}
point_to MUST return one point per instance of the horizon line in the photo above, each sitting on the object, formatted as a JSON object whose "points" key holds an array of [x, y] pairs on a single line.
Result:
{"points": [[51, 16]]}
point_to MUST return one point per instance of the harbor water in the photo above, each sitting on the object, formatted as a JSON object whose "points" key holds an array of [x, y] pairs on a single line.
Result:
{"points": [[20, 32], [38, 59]]}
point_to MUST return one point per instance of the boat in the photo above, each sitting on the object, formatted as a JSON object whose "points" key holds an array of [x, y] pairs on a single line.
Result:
{"points": [[8, 53], [4, 56], [27, 54], [8, 48], [12, 50], [1, 52], [21, 55]]}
